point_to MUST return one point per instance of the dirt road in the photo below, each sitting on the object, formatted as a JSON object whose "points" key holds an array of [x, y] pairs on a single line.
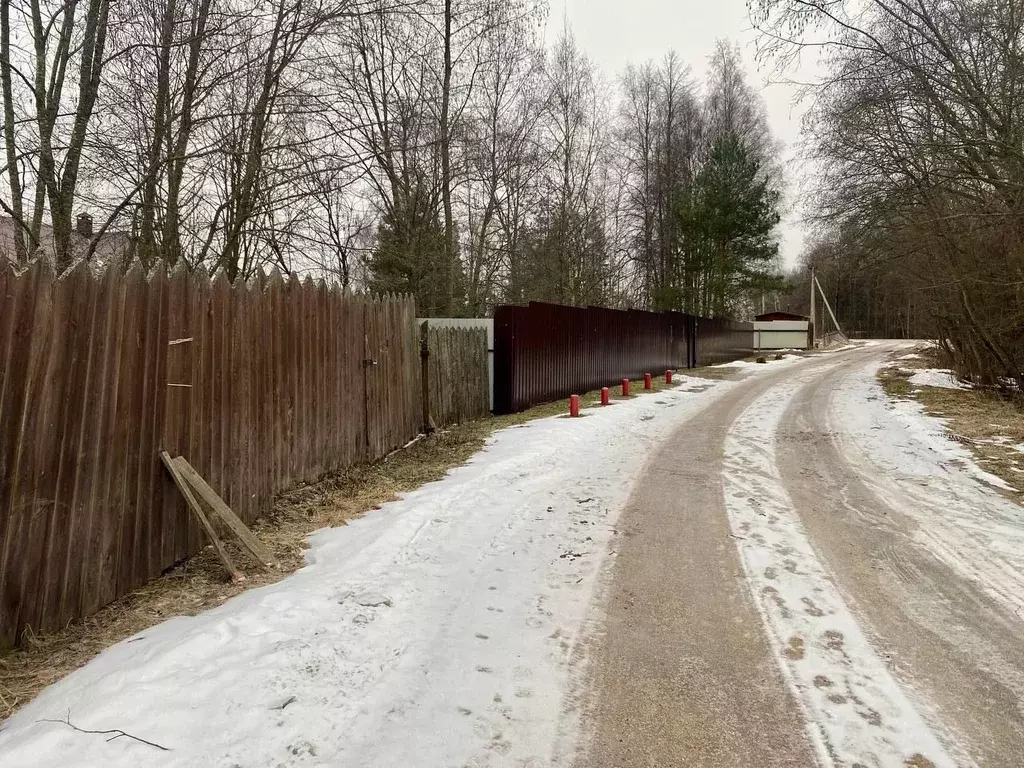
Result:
{"points": [[802, 581]]}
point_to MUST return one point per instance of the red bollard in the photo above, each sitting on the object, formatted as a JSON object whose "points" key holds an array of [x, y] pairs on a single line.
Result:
{"points": [[647, 381], [604, 396], [574, 405], [668, 377], [625, 387]]}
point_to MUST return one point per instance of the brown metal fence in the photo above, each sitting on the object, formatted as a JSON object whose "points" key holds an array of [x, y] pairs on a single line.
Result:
{"points": [[260, 386], [544, 352]]}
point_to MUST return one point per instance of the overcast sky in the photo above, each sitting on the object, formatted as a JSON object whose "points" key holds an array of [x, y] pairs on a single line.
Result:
{"points": [[617, 32]]}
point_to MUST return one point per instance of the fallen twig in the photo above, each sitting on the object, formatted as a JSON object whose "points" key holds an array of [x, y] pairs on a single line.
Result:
{"points": [[286, 702], [117, 732], [409, 444]]}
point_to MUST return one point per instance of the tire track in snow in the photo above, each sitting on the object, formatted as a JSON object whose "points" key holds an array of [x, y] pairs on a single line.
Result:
{"points": [[953, 644], [909, 462], [857, 713]]}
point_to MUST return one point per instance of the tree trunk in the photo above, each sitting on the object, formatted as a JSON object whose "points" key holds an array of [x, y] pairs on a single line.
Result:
{"points": [[147, 228], [11, 150], [90, 70], [446, 165], [171, 237]]}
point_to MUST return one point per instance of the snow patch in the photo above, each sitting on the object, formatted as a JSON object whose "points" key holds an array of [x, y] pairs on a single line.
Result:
{"points": [[937, 377], [857, 713], [769, 361]]}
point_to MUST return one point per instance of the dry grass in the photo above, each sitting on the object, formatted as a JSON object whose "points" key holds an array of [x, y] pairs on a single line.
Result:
{"points": [[714, 373], [200, 582], [895, 382], [987, 421]]}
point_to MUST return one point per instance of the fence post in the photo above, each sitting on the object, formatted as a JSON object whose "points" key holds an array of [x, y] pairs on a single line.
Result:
{"points": [[428, 425]]}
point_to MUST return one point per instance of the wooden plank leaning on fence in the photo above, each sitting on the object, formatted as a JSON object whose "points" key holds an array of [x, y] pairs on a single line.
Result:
{"points": [[231, 521], [204, 521], [193, 488]]}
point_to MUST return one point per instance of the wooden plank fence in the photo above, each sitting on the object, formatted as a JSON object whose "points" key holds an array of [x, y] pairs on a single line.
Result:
{"points": [[458, 382], [261, 386]]}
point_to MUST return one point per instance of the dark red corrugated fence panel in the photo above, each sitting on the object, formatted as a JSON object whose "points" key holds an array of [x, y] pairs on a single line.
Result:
{"points": [[545, 352]]}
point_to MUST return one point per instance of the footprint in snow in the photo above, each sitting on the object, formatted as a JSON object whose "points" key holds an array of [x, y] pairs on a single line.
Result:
{"points": [[810, 608], [486, 730], [834, 640], [366, 599]]}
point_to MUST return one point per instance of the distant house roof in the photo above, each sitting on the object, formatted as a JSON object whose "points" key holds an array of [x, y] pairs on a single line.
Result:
{"points": [[112, 246], [769, 316]]}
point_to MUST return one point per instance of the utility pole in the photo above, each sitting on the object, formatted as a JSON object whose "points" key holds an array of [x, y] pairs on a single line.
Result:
{"points": [[824, 300], [814, 325]]}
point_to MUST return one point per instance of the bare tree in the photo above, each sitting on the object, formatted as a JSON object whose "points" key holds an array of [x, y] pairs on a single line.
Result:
{"points": [[501, 156], [568, 254], [917, 129], [59, 70]]}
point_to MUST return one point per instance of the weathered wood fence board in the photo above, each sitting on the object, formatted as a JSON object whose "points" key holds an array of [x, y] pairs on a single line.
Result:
{"points": [[459, 386], [260, 386]]}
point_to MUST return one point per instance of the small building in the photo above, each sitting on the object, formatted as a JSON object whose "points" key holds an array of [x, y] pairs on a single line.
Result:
{"points": [[769, 317], [113, 246], [782, 330]]}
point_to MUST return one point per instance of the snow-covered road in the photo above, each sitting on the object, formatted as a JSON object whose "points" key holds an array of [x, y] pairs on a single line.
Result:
{"points": [[818, 575], [782, 569]]}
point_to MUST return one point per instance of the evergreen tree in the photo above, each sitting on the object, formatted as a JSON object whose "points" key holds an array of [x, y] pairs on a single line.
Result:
{"points": [[409, 257], [738, 214]]}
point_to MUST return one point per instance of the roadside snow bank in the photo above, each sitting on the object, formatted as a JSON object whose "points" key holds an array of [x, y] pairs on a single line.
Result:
{"points": [[909, 461], [438, 631], [746, 365], [937, 377]]}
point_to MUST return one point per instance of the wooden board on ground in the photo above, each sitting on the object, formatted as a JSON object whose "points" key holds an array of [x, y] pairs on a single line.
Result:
{"points": [[197, 510], [223, 511]]}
